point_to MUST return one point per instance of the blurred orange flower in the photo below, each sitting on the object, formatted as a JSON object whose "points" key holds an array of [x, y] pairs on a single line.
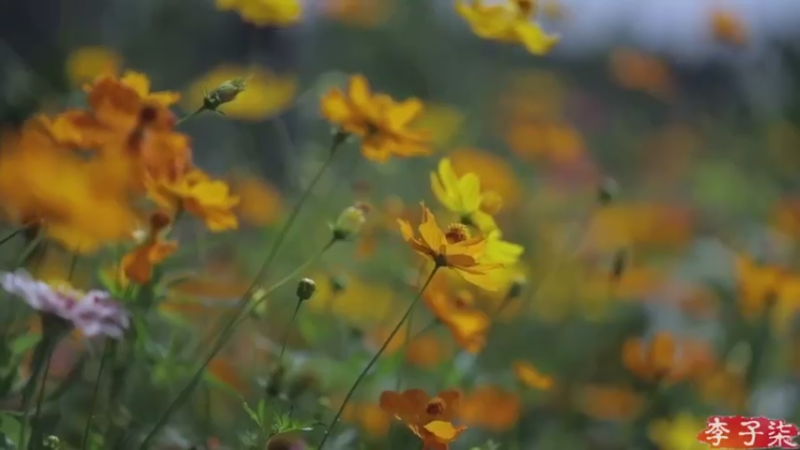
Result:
{"points": [[453, 249], [83, 210], [137, 265], [260, 202], [466, 323], [382, 123], [530, 376], [554, 141], [508, 22], [490, 407], [639, 71], [727, 27], [430, 418], [609, 402], [764, 286], [264, 12], [369, 416], [426, 351], [359, 13], [666, 359], [209, 200]]}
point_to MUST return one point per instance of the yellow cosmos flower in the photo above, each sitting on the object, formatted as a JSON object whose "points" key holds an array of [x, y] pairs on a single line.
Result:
{"points": [[463, 196], [453, 249], [382, 123], [499, 251], [87, 63], [267, 93], [210, 200], [264, 12], [509, 22]]}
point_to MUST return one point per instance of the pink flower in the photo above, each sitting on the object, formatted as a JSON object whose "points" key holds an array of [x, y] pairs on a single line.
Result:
{"points": [[94, 313]]}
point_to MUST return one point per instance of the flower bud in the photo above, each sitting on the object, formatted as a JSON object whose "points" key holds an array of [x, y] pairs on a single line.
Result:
{"points": [[224, 93], [607, 191], [52, 443], [350, 221], [491, 203], [306, 289]]}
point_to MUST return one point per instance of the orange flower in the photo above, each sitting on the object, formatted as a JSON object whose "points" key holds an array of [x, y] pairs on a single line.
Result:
{"points": [[426, 351], [552, 141], [382, 123], [664, 358], [531, 377], [369, 416], [74, 199], [639, 71], [429, 418], [453, 249], [490, 407], [210, 200], [609, 402], [138, 264], [728, 28], [467, 324], [260, 201]]}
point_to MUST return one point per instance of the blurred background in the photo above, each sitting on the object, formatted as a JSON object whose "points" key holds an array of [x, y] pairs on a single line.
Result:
{"points": [[690, 106]]}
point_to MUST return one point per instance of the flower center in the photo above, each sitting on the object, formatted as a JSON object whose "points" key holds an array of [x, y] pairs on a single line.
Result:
{"points": [[435, 407], [456, 233]]}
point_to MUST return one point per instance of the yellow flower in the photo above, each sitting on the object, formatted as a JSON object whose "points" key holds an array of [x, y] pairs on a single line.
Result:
{"points": [[463, 196], [382, 123], [260, 202], [500, 251], [264, 12], [453, 249], [210, 200], [509, 22], [267, 93], [678, 434], [87, 63], [443, 121]]}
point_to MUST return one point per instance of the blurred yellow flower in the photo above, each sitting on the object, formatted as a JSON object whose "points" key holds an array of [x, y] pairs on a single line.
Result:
{"points": [[260, 202], [87, 63], [491, 408], [453, 249], [442, 120], [463, 196], [679, 433], [263, 13], [763, 286], [196, 193], [531, 377], [510, 22], [728, 28], [609, 402], [495, 173], [267, 93], [383, 124]]}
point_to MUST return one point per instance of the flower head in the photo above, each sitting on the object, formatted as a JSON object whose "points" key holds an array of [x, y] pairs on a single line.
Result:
{"points": [[138, 264], [467, 324], [383, 124], [508, 22], [195, 192], [94, 313], [453, 248], [264, 12], [463, 196], [428, 417]]}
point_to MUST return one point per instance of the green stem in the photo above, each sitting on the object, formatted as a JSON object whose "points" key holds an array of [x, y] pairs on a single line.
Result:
{"points": [[36, 432], [12, 234], [273, 252], [222, 339], [289, 330], [107, 351], [375, 358], [190, 115], [41, 359]]}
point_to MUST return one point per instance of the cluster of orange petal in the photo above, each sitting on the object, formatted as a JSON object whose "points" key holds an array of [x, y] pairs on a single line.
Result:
{"points": [[82, 175]]}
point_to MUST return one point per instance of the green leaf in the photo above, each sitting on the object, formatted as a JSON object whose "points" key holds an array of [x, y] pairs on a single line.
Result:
{"points": [[253, 415], [24, 343]]}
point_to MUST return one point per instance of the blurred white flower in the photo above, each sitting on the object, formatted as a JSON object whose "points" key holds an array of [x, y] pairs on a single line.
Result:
{"points": [[94, 313]]}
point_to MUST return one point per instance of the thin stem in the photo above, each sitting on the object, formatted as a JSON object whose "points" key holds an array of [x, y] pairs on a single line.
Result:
{"points": [[36, 426], [41, 357], [108, 349], [273, 252], [190, 115], [12, 234], [289, 329], [222, 339], [375, 358]]}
